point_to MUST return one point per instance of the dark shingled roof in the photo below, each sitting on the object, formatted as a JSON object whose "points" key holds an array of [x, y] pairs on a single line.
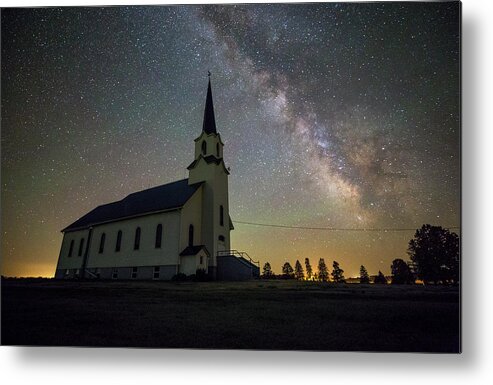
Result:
{"points": [[193, 250], [208, 159], [164, 197]]}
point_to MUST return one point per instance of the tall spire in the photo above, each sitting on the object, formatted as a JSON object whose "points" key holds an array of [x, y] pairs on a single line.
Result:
{"points": [[209, 126]]}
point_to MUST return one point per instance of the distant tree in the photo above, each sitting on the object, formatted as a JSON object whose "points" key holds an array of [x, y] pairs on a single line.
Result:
{"points": [[298, 270], [323, 273], [363, 275], [435, 254], [267, 271], [287, 271], [401, 272], [337, 273], [309, 271], [380, 278]]}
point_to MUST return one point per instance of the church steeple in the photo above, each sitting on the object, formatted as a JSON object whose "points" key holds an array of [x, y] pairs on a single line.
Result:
{"points": [[209, 145], [209, 125]]}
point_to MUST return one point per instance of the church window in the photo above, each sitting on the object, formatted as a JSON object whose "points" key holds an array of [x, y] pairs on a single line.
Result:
{"points": [[137, 239], [114, 275], [204, 147], [159, 235], [201, 259], [221, 238], [221, 215], [217, 149], [134, 273], [81, 246], [101, 243], [71, 248], [190, 235], [118, 241], [156, 272]]}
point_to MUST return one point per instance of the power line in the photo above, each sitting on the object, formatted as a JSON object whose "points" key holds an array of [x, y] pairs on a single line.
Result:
{"points": [[334, 228]]}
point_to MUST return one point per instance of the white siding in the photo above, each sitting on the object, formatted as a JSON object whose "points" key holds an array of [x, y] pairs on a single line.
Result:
{"points": [[147, 254], [75, 261], [212, 140], [190, 263], [192, 215], [215, 194]]}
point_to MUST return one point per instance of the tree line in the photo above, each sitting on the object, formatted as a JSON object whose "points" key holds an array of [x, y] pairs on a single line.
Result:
{"points": [[434, 254]]}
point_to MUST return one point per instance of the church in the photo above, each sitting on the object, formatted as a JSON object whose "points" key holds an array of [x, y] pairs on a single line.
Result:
{"points": [[181, 227]]}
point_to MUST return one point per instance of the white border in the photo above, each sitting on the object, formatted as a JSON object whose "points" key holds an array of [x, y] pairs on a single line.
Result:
{"points": [[131, 366]]}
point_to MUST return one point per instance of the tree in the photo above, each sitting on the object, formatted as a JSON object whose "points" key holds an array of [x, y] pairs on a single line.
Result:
{"points": [[363, 275], [267, 271], [287, 271], [323, 273], [434, 252], [401, 272], [309, 271], [337, 273], [380, 278], [298, 270]]}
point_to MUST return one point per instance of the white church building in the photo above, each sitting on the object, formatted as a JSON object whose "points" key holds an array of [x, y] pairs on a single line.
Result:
{"points": [[180, 227]]}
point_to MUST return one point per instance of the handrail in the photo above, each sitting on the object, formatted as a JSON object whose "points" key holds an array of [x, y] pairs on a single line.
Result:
{"points": [[91, 273], [236, 253]]}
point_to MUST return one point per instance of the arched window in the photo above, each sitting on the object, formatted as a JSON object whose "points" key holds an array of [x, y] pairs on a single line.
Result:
{"points": [[221, 215], [204, 147], [137, 239], [81, 246], [217, 149], [101, 243], [118, 241], [190, 235], [71, 248], [159, 235], [221, 238]]}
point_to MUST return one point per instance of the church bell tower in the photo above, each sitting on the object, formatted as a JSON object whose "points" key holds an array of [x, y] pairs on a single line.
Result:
{"points": [[208, 167]]}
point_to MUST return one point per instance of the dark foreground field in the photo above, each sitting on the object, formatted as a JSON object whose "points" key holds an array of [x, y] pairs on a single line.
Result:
{"points": [[278, 315]]}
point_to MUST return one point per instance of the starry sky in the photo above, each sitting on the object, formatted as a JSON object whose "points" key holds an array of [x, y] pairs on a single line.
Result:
{"points": [[335, 115]]}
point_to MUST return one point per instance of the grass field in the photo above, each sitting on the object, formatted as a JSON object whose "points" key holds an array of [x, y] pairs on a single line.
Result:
{"points": [[281, 315]]}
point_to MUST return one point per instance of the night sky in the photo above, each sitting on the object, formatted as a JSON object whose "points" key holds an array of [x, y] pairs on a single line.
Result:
{"points": [[333, 115]]}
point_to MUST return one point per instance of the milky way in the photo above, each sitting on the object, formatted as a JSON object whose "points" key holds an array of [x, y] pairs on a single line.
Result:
{"points": [[333, 115]]}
